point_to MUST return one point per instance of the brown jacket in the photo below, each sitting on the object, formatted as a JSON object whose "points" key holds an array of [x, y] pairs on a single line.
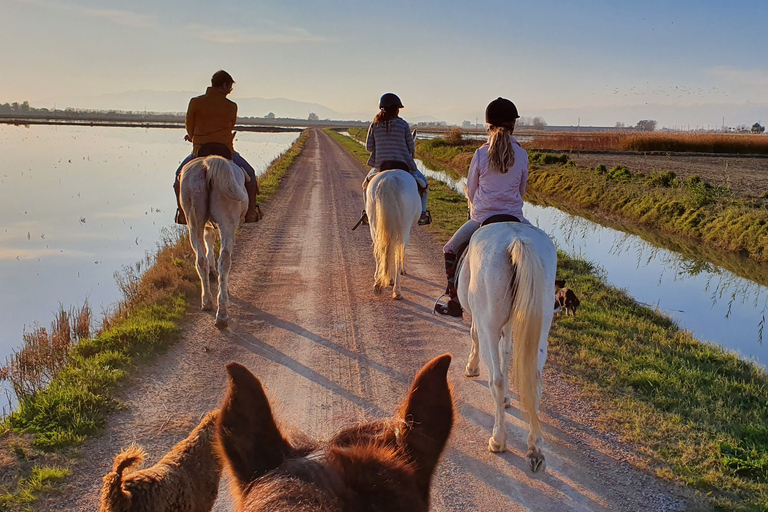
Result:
{"points": [[211, 118]]}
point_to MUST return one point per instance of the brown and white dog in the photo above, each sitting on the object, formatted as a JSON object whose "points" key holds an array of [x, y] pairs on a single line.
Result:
{"points": [[565, 299]]}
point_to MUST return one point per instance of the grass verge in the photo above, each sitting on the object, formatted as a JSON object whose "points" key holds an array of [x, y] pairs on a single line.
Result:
{"points": [[77, 396], [689, 208], [695, 413]]}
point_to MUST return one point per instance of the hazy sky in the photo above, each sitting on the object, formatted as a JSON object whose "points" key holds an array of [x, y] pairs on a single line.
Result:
{"points": [[593, 62]]}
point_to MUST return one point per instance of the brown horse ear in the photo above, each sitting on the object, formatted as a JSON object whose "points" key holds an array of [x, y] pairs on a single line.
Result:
{"points": [[248, 436], [429, 412]]}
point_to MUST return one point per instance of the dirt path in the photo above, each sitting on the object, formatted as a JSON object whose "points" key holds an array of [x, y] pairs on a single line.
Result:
{"points": [[305, 320]]}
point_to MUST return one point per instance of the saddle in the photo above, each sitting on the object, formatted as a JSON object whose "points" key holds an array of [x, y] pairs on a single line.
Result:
{"points": [[215, 148], [397, 164], [461, 252]]}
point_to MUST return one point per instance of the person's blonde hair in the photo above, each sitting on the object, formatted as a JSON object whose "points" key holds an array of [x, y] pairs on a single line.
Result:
{"points": [[501, 154]]}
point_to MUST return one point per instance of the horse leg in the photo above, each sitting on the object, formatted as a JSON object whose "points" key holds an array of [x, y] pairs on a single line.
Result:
{"points": [[473, 365], [534, 456], [225, 263], [210, 253], [505, 354], [201, 261], [397, 291], [489, 349]]}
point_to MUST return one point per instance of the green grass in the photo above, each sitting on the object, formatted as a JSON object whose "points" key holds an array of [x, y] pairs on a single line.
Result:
{"points": [[693, 209], [28, 489], [358, 133], [689, 209], [348, 143]]}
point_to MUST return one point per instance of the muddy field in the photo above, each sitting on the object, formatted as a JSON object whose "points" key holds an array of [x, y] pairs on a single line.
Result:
{"points": [[745, 175]]}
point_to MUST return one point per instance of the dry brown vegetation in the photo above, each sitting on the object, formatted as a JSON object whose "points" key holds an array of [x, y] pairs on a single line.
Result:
{"points": [[650, 141]]}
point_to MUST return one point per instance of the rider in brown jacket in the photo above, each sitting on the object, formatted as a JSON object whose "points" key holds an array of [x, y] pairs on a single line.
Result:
{"points": [[211, 119]]}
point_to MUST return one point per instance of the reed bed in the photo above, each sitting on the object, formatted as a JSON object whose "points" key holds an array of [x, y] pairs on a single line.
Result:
{"points": [[728, 143]]}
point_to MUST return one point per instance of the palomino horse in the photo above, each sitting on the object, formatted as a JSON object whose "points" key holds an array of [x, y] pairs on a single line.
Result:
{"points": [[377, 466], [393, 207], [511, 268], [213, 195]]}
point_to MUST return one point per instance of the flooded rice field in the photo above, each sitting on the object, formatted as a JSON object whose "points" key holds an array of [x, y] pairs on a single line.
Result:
{"points": [[79, 203]]}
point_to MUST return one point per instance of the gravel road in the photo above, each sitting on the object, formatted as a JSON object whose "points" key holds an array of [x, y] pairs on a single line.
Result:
{"points": [[330, 353]]}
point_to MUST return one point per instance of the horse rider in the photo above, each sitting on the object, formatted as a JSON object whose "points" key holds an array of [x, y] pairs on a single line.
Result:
{"points": [[210, 121], [391, 145], [498, 175]]}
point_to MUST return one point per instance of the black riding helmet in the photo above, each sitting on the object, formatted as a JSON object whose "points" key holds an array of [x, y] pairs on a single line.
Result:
{"points": [[390, 100], [500, 111]]}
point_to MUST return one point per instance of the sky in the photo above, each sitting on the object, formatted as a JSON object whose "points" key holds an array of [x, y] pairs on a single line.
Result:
{"points": [[682, 63]]}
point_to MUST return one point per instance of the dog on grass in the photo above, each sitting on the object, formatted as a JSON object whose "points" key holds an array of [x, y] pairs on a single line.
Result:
{"points": [[565, 299], [185, 480]]}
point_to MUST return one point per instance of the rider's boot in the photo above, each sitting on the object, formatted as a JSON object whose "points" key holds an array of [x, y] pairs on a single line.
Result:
{"points": [[180, 217], [254, 212], [426, 218], [453, 307]]}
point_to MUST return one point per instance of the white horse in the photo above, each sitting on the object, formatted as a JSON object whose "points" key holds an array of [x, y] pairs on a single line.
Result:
{"points": [[507, 284], [393, 206], [213, 195]]}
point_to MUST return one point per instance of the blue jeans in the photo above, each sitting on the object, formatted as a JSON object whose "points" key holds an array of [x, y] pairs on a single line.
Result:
{"points": [[239, 160]]}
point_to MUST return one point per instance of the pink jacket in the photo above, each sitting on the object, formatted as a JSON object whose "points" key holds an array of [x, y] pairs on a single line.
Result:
{"points": [[493, 192]]}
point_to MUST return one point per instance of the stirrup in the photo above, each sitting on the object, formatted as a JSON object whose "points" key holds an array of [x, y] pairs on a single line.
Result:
{"points": [[363, 220], [428, 217], [180, 217], [440, 302]]}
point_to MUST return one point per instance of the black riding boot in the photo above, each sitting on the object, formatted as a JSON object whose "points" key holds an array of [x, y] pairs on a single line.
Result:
{"points": [[453, 307], [180, 217]]}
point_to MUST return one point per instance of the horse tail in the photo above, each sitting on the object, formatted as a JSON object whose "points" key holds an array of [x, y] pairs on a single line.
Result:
{"points": [[113, 497], [221, 178], [388, 223], [528, 293]]}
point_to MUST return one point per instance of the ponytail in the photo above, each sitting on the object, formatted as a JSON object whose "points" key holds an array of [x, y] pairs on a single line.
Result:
{"points": [[385, 115], [501, 154]]}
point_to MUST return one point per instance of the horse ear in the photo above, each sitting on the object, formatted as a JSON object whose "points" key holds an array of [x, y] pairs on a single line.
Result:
{"points": [[248, 436], [429, 412]]}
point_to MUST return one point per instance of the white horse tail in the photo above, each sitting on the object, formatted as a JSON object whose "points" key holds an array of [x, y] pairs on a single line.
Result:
{"points": [[388, 242], [528, 287], [221, 177]]}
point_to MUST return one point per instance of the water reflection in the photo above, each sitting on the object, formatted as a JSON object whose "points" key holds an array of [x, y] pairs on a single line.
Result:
{"points": [[78, 203], [720, 298]]}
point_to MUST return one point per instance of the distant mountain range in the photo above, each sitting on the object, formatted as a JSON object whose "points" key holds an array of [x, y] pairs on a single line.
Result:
{"points": [[176, 101]]}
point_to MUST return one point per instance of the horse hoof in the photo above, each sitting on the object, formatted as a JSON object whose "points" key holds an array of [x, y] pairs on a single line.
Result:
{"points": [[377, 289], [469, 372], [403, 273], [397, 296], [507, 401], [495, 447], [222, 323], [535, 460]]}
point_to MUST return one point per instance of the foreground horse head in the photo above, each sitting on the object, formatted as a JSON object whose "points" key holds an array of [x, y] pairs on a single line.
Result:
{"points": [[383, 465], [393, 207], [213, 193], [512, 270]]}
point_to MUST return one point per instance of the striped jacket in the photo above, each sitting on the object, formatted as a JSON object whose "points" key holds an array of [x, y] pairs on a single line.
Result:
{"points": [[395, 145]]}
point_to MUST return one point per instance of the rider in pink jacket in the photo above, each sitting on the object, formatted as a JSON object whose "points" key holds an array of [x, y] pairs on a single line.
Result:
{"points": [[498, 175]]}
